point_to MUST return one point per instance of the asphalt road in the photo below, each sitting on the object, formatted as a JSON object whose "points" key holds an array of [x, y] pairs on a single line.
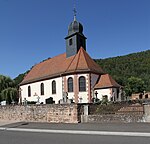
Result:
{"points": [[46, 138], [31, 133]]}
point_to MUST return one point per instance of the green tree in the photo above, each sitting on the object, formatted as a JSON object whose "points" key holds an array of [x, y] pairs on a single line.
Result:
{"points": [[5, 82], [10, 95], [19, 78], [8, 91], [134, 85]]}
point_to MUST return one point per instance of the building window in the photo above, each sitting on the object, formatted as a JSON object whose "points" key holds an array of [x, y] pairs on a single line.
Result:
{"points": [[53, 87], [29, 91], [70, 41], [70, 84], [82, 84], [42, 89]]}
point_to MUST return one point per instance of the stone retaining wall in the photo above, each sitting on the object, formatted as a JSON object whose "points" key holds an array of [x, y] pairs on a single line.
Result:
{"points": [[114, 118], [70, 113], [147, 113], [41, 113], [132, 113]]}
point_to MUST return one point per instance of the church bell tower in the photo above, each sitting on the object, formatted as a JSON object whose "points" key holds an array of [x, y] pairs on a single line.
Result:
{"points": [[75, 38]]}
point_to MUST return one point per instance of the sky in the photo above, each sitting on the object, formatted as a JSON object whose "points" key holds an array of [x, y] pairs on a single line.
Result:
{"points": [[34, 30]]}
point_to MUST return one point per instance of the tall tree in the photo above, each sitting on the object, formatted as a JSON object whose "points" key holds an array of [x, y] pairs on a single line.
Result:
{"points": [[134, 85], [8, 91], [19, 78], [6, 82], [9, 95]]}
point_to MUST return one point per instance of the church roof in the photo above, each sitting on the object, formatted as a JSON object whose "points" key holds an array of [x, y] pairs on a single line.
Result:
{"points": [[106, 81], [60, 65]]}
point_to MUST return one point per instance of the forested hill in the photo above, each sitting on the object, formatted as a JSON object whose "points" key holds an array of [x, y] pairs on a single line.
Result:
{"points": [[123, 67]]}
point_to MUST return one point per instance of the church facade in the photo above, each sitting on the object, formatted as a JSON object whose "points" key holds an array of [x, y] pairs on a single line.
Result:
{"points": [[69, 77]]}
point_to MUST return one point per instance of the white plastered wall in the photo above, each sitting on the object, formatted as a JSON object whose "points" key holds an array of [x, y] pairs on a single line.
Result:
{"points": [[102, 92], [83, 96], [106, 91], [35, 90]]}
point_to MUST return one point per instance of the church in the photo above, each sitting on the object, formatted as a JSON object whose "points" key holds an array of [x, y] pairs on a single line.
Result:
{"points": [[69, 77]]}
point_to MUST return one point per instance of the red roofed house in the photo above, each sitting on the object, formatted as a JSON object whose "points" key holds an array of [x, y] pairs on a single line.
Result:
{"points": [[70, 76]]}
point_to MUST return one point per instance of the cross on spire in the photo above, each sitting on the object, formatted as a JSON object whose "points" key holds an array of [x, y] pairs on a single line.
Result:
{"points": [[74, 11]]}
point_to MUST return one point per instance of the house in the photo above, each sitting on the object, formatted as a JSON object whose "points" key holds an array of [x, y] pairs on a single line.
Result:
{"points": [[140, 96], [69, 77]]}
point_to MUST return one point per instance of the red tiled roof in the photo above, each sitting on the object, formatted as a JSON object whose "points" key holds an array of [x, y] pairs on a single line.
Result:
{"points": [[106, 81], [59, 65]]}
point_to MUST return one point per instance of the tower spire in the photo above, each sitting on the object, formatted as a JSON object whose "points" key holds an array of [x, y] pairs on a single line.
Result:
{"points": [[75, 38], [74, 11]]}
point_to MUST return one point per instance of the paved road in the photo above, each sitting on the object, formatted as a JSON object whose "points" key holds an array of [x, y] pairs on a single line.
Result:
{"points": [[121, 127], [46, 138], [31, 133]]}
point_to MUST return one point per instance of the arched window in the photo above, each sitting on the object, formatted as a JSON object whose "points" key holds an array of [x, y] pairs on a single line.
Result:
{"points": [[29, 91], [70, 84], [82, 84], [42, 89], [53, 87]]}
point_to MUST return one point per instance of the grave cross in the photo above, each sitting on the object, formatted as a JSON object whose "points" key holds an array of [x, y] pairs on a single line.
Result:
{"points": [[96, 93]]}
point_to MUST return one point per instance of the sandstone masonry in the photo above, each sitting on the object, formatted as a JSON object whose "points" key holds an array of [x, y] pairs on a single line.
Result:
{"points": [[71, 113], [41, 113]]}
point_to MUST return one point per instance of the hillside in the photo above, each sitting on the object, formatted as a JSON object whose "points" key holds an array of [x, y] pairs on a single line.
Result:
{"points": [[123, 67]]}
